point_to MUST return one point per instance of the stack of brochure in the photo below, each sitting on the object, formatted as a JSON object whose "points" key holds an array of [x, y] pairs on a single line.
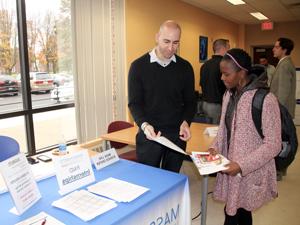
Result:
{"points": [[207, 163]]}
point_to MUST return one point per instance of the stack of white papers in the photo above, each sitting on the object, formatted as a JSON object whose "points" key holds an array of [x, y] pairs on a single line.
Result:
{"points": [[166, 142], [119, 190], [211, 131], [207, 163], [84, 204], [41, 218]]}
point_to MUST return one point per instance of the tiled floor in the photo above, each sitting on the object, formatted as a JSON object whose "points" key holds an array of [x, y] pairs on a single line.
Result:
{"points": [[284, 210]]}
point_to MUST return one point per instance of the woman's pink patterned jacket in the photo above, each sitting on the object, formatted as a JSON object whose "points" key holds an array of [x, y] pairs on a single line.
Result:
{"points": [[257, 183]]}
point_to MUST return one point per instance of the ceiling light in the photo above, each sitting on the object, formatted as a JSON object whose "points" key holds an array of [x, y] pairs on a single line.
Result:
{"points": [[259, 16], [236, 2]]}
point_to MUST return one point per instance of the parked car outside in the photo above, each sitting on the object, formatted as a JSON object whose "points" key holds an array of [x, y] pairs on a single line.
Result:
{"points": [[39, 82], [8, 85]]}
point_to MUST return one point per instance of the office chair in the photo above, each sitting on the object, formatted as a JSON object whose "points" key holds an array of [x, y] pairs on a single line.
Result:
{"points": [[8, 147], [116, 126]]}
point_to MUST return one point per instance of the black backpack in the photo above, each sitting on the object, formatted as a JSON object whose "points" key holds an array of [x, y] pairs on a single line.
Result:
{"points": [[288, 130]]}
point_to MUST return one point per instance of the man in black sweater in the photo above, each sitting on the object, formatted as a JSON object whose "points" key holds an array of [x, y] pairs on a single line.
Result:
{"points": [[211, 84], [161, 99]]}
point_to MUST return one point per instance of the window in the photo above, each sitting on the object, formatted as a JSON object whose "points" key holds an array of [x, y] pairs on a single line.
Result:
{"points": [[9, 57], [36, 80], [56, 124], [49, 51]]}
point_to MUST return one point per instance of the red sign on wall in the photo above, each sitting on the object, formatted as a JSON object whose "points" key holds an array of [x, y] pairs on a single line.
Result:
{"points": [[267, 25]]}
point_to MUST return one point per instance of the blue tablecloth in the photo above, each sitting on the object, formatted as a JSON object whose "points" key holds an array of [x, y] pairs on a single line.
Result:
{"points": [[167, 200]]}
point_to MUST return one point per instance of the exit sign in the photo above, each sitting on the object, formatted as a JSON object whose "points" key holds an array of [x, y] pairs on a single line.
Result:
{"points": [[267, 25]]}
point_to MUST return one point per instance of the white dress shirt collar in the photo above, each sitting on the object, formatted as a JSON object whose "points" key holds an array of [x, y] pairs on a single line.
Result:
{"points": [[164, 63]]}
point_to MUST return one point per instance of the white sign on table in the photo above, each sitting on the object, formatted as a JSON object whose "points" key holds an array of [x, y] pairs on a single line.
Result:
{"points": [[20, 182], [105, 158], [211, 131], [73, 171]]}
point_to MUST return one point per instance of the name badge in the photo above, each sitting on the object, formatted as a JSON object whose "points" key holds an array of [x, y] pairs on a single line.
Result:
{"points": [[105, 158], [73, 171], [20, 182]]}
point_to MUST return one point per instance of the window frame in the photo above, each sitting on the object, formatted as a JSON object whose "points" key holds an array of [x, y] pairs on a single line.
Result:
{"points": [[28, 111]]}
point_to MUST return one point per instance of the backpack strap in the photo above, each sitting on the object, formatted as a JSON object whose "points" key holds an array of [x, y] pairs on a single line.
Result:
{"points": [[257, 105]]}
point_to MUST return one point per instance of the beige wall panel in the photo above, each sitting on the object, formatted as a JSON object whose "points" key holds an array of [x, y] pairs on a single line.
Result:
{"points": [[143, 19]]}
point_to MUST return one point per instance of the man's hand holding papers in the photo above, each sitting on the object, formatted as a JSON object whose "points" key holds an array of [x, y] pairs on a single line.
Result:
{"points": [[185, 132], [149, 131]]}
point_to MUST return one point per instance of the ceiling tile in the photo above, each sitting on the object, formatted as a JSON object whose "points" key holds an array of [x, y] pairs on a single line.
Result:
{"points": [[275, 10]]}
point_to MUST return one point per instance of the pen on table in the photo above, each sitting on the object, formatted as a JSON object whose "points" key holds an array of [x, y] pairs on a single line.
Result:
{"points": [[38, 220]]}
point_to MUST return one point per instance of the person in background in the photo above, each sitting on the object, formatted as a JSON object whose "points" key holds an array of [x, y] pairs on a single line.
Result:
{"points": [[161, 99], [269, 68], [249, 180], [210, 81], [283, 83]]}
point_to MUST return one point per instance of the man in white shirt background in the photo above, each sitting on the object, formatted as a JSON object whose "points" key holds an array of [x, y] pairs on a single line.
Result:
{"points": [[269, 67]]}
